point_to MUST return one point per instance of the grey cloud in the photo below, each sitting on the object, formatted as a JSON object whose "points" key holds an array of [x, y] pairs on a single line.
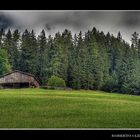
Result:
{"points": [[5, 22], [74, 19], [48, 27], [108, 21], [131, 19]]}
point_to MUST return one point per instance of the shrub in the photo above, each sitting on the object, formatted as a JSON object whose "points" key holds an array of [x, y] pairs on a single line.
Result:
{"points": [[111, 84], [55, 81]]}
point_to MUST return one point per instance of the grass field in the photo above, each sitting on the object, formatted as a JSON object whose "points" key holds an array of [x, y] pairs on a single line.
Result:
{"points": [[41, 108]]}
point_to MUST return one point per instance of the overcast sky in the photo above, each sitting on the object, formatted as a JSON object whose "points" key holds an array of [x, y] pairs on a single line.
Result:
{"points": [[127, 22]]}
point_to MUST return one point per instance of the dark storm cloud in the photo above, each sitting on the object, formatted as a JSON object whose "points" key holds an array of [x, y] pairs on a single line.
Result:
{"points": [[5, 21], [76, 20], [52, 21], [131, 19]]}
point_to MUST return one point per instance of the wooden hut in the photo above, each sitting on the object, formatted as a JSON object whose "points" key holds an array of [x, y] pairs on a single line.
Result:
{"points": [[18, 79]]}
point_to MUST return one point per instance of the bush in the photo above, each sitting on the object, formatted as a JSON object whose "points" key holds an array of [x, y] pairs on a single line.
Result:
{"points": [[111, 84], [55, 81]]}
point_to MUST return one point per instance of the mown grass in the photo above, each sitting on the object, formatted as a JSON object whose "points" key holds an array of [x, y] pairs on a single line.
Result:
{"points": [[41, 108]]}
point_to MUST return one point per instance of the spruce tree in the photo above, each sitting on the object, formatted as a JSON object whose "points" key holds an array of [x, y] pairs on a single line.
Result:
{"points": [[42, 58], [16, 50], [4, 63]]}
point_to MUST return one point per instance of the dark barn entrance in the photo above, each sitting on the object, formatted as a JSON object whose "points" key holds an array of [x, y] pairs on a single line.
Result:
{"points": [[16, 85]]}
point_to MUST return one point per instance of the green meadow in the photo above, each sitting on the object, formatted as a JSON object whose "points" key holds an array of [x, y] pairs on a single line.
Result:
{"points": [[42, 108]]}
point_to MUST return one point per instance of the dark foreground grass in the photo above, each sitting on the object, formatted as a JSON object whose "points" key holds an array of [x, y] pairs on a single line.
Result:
{"points": [[41, 108]]}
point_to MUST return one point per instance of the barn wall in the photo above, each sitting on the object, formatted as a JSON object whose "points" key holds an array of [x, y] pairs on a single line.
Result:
{"points": [[16, 78]]}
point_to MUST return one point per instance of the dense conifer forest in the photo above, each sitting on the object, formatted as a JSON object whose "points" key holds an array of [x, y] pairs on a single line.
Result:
{"points": [[91, 60]]}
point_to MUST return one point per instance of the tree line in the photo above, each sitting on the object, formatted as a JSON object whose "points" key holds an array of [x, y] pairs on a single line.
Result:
{"points": [[90, 60]]}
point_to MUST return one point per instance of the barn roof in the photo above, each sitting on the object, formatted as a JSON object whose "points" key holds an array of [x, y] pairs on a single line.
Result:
{"points": [[21, 73]]}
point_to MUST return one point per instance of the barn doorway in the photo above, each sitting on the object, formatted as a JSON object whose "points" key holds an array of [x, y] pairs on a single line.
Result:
{"points": [[16, 85]]}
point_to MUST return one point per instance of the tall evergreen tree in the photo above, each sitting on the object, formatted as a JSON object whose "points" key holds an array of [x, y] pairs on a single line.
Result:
{"points": [[42, 58], [4, 63], [8, 45], [26, 52], [16, 50], [2, 34]]}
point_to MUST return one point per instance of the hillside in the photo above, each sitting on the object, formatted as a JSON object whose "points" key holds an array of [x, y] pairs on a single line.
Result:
{"points": [[40, 108]]}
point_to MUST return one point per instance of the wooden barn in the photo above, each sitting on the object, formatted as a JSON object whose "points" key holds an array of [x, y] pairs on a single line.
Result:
{"points": [[18, 79]]}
